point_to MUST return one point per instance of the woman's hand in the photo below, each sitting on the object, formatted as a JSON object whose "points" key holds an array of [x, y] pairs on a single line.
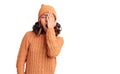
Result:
{"points": [[51, 20]]}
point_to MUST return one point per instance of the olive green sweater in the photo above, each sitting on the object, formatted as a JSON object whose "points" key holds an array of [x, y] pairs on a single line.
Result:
{"points": [[37, 54]]}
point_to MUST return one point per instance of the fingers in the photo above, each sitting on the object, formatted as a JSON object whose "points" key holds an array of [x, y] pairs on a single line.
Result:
{"points": [[50, 16], [50, 20]]}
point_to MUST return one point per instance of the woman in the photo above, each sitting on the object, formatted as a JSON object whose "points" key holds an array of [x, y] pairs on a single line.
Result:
{"points": [[40, 47]]}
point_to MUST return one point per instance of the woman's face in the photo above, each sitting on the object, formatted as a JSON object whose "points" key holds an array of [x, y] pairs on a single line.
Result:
{"points": [[43, 20]]}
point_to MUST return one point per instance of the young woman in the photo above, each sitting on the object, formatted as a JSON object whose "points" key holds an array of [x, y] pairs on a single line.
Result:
{"points": [[40, 47]]}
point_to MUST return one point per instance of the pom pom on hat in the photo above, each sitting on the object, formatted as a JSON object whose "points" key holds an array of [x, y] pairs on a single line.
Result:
{"points": [[45, 8]]}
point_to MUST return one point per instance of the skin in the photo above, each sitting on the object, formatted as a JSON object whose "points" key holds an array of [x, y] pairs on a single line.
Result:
{"points": [[49, 19]]}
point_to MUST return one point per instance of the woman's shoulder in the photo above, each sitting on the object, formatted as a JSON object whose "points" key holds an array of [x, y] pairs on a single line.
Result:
{"points": [[29, 33]]}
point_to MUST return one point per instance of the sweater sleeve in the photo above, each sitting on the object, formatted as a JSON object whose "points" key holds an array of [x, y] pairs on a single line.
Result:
{"points": [[54, 43], [22, 54]]}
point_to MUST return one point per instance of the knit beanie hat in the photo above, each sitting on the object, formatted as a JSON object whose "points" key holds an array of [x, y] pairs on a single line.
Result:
{"points": [[45, 8]]}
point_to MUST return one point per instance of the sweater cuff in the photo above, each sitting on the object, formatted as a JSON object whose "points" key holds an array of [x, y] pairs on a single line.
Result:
{"points": [[51, 31]]}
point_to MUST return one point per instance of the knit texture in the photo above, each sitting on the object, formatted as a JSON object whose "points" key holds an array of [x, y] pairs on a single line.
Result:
{"points": [[38, 53]]}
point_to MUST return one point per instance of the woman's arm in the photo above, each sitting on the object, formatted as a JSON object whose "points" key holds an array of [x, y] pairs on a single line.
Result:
{"points": [[22, 54], [54, 43]]}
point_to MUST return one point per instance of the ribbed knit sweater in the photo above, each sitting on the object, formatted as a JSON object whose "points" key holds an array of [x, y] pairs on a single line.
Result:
{"points": [[37, 54]]}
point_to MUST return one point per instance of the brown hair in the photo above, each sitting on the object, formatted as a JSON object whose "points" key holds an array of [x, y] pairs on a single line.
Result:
{"points": [[38, 29]]}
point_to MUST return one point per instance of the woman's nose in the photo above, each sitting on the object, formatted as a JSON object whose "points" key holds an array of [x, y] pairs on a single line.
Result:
{"points": [[46, 20]]}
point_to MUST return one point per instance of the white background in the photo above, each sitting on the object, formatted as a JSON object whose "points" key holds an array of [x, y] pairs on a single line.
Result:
{"points": [[91, 31]]}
